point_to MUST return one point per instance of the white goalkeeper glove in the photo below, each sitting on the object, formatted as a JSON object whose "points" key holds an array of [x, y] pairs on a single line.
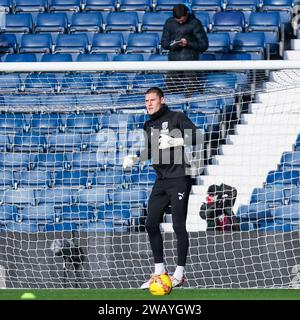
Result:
{"points": [[129, 161], [166, 142]]}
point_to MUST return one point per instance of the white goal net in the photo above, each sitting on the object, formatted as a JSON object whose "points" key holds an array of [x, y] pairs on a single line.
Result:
{"points": [[71, 216]]}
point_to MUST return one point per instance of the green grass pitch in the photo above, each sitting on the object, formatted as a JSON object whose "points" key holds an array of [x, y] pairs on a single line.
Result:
{"points": [[136, 294]]}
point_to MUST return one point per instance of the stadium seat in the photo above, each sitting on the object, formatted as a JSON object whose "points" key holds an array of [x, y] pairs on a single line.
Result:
{"points": [[81, 123], [82, 160], [55, 196], [284, 7], [230, 22], [138, 6], [56, 57], [107, 43], [210, 6], [24, 101], [45, 123], [8, 43], [6, 5], [71, 178], [220, 82], [19, 197], [40, 83], [154, 22], [8, 213], [158, 57], [112, 82], [145, 43], [203, 16], [41, 214], [141, 82], [290, 161], [30, 6], [294, 195], [29, 142], [105, 6], [77, 82], [52, 23], [24, 57], [297, 144], [95, 196], [85, 57], [67, 6], [130, 196], [287, 212], [101, 226], [10, 82], [165, 5], [218, 43], [117, 213], [124, 22], [251, 42], [245, 6], [235, 56], [18, 24], [36, 43], [269, 24], [274, 196], [23, 227], [58, 102], [71, 43], [7, 180], [76, 213], [107, 177], [128, 57], [34, 179], [283, 178], [15, 161], [105, 140], [5, 142], [135, 141], [140, 176], [64, 142], [11, 123], [48, 161]]}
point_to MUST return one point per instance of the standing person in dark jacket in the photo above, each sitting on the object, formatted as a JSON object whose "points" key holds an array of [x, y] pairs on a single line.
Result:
{"points": [[185, 38], [167, 132]]}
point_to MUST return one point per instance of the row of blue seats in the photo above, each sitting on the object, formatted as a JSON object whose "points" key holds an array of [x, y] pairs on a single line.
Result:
{"points": [[116, 178], [96, 196]]}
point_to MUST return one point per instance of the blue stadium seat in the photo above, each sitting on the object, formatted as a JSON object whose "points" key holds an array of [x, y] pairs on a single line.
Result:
{"points": [[41, 214], [71, 43], [287, 212], [82, 123], [58, 102], [251, 42], [155, 21], [254, 211], [11, 123], [56, 57], [23, 227], [14, 161], [48, 161], [290, 161], [230, 22], [203, 16], [141, 82], [117, 121], [24, 57], [198, 103], [71, 178], [138, 6], [145, 43], [82, 160], [108, 177], [105, 6], [19, 197], [140, 176], [41, 83], [283, 177], [68, 6], [135, 140], [77, 82], [269, 24], [5, 142], [211, 6], [112, 82], [52, 23], [60, 227], [235, 56], [166, 5], [124, 22], [10, 82], [284, 7], [8, 213], [55, 196], [36, 43], [176, 101], [34, 179], [18, 24], [107, 43], [45, 123], [274, 196], [297, 144], [24, 101], [6, 5], [77, 213], [29, 142], [294, 195], [130, 196], [85, 57], [218, 42], [30, 6], [246, 6], [118, 213], [128, 57], [7, 180], [101, 226], [220, 82], [95, 196], [64, 142], [158, 57], [8, 43]]}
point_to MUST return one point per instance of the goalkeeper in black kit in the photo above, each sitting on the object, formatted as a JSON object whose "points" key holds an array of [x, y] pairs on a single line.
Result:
{"points": [[166, 133]]}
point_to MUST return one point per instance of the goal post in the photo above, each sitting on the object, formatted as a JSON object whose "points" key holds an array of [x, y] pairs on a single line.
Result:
{"points": [[72, 217]]}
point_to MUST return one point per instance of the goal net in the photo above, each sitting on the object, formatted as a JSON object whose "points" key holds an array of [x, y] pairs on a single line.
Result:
{"points": [[71, 216]]}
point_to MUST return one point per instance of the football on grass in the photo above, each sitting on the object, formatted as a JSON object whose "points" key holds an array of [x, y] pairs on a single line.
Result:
{"points": [[160, 285]]}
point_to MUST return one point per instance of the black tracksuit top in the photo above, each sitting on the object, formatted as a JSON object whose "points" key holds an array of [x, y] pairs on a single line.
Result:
{"points": [[169, 163]]}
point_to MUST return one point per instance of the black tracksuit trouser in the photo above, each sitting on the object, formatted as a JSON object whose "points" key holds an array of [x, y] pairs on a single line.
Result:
{"points": [[176, 192]]}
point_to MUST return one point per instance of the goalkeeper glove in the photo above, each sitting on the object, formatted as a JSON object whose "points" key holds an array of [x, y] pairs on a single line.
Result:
{"points": [[166, 142], [129, 161]]}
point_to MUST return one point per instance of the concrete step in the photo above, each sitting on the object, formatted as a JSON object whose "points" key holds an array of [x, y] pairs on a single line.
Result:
{"points": [[291, 55], [295, 44]]}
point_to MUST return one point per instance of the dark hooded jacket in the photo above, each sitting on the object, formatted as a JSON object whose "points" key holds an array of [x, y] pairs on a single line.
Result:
{"points": [[192, 30]]}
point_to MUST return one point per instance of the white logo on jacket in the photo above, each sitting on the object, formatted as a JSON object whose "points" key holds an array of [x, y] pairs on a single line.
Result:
{"points": [[180, 195]]}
